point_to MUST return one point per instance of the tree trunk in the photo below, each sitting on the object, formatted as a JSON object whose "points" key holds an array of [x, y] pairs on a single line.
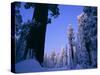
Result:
{"points": [[40, 16], [36, 38]]}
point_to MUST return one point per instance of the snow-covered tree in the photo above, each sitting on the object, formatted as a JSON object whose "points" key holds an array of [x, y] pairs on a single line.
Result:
{"points": [[18, 24], [53, 58], [63, 57], [82, 53], [71, 41], [46, 60], [58, 60], [87, 37], [21, 41], [91, 33]]}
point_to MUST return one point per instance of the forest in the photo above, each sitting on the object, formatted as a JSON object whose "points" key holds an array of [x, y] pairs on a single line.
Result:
{"points": [[80, 51]]}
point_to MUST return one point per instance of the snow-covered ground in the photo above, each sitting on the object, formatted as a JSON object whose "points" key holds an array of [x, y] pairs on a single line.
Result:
{"points": [[30, 65]]}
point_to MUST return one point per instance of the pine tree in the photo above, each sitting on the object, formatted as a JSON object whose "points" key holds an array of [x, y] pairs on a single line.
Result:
{"points": [[71, 39], [63, 57], [82, 53], [87, 37], [18, 25], [53, 58]]}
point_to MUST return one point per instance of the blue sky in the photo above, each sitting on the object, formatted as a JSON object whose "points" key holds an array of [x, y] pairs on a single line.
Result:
{"points": [[56, 35]]}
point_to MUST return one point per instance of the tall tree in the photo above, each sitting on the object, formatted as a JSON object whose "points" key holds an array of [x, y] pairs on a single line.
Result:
{"points": [[63, 57], [37, 32], [71, 45], [18, 24], [81, 49], [88, 36]]}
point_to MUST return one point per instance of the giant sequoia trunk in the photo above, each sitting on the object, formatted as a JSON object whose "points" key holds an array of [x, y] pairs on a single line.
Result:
{"points": [[36, 40], [41, 17]]}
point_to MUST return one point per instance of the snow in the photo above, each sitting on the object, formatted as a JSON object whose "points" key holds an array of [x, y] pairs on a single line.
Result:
{"points": [[84, 49], [30, 65]]}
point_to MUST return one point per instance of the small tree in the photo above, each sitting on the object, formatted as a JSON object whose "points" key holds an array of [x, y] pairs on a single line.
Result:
{"points": [[63, 57], [53, 58]]}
